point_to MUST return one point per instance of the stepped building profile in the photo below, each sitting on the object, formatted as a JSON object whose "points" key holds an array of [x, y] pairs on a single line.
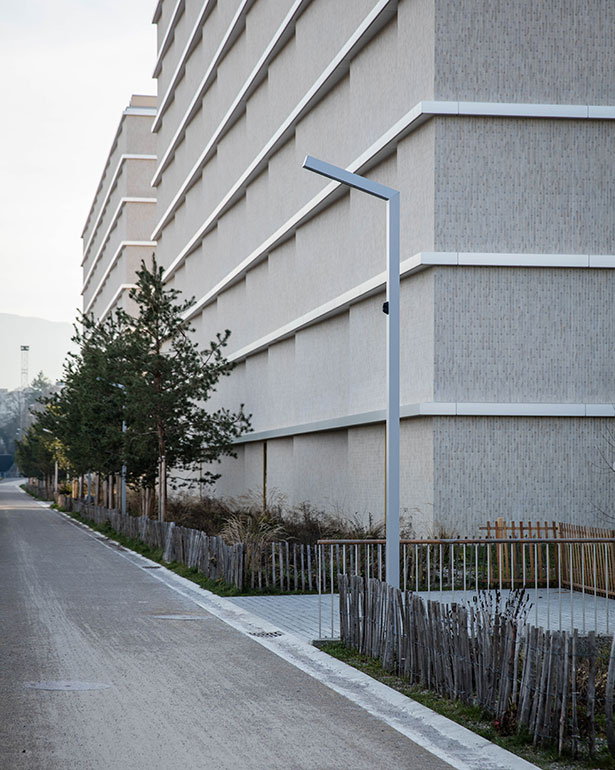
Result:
{"points": [[116, 236], [495, 120]]}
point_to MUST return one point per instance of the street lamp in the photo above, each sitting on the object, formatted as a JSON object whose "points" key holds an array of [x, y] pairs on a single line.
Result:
{"points": [[55, 475], [391, 308], [123, 387]]}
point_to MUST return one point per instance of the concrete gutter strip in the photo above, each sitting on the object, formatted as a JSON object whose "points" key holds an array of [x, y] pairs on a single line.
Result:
{"points": [[446, 739]]}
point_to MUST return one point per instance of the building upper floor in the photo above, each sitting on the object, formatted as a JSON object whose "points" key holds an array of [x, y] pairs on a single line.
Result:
{"points": [[122, 214]]}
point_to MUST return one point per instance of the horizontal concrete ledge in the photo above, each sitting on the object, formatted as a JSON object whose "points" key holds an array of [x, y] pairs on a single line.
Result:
{"points": [[110, 187], [376, 285], [325, 82], [125, 201], [169, 34], [114, 259], [144, 111], [381, 148], [123, 287], [518, 109], [435, 409]]}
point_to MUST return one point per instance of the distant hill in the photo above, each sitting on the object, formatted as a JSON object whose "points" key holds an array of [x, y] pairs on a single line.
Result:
{"points": [[49, 343]]}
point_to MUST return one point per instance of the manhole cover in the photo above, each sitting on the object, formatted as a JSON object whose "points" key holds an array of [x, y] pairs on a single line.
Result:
{"points": [[266, 634], [67, 686], [182, 617]]}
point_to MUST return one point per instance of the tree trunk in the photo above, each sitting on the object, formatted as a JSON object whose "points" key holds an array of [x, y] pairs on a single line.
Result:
{"points": [[150, 501]]}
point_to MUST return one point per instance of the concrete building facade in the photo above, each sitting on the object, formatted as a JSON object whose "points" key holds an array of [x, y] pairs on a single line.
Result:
{"points": [[116, 236], [495, 120]]}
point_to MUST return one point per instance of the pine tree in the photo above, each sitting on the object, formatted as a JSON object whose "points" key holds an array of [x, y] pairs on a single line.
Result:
{"points": [[147, 372], [168, 383]]}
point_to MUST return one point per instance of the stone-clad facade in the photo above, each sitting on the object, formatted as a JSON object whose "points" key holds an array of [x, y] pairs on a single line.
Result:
{"points": [[116, 235], [495, 120]]}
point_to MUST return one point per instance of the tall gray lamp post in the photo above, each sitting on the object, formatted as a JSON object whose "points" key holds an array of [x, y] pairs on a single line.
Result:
{"points": [[391, 197], [55, 471], [123, 388]]}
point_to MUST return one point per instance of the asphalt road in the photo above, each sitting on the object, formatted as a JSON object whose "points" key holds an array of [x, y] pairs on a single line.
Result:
{"points": [[140, 691]]}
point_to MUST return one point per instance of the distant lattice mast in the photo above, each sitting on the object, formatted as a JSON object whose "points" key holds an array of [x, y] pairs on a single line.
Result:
{"points": [[25, 349]]}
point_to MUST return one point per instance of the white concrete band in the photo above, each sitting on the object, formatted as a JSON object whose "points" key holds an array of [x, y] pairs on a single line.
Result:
{"points": [[112, 224], [123, 287], [324, 83], [259, 72], [379, 150], [101, 180], [110, 267], [225, 45], [414, 264], [434, 409], [192, 42], [168, 35], [112, 182], [147, 112]]}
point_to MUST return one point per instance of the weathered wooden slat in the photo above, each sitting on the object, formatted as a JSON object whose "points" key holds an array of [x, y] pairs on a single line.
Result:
{"points": [[574, 728], [591, 694], [610, 687]]}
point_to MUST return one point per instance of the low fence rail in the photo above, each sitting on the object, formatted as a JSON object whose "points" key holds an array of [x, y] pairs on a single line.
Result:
{"points": [[549, 683], [571, 581]]}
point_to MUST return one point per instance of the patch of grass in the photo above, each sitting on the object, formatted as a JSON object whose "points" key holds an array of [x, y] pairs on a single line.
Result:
{"points": [[471, 717], [34, 494]]}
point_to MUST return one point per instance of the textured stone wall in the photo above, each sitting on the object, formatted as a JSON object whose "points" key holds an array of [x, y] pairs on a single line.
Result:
{"points": [[522, 469], [524, 335], [524, 185], [549, 51], [468, 184]]}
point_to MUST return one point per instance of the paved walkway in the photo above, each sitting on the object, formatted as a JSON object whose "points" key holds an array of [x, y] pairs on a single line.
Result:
{"points": [[298, 615], [552, 609], [111, 661]]}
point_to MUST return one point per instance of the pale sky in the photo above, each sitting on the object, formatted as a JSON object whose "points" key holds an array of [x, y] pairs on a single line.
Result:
{"points": [[68, 69]]}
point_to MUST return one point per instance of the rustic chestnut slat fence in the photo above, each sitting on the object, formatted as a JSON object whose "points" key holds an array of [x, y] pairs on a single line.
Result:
{"points": [[282, 566], [453, 569], [523, 676]]}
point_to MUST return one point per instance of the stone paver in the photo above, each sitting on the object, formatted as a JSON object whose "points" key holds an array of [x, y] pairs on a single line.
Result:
{"points": [[296, 614], [553, 608]]}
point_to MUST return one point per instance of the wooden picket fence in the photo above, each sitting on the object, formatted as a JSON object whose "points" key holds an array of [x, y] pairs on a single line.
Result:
{"points": [[588, 567], [280, 566], [525, 678], [510, 564]]}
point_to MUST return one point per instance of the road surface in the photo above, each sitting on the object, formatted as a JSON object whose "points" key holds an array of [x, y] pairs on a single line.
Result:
{"points": [[104, 667]]}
